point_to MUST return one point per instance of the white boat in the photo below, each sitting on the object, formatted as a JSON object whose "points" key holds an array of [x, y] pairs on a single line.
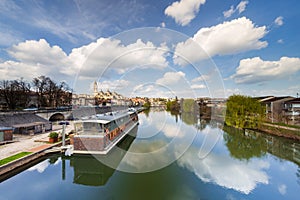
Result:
{"points": [[98, 134]]}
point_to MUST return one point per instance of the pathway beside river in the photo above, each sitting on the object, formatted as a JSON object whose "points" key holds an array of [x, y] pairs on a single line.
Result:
{"points": [[28, 142]]}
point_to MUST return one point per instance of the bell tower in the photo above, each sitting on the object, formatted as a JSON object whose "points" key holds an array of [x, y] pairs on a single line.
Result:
{"points": [[95, 88]]}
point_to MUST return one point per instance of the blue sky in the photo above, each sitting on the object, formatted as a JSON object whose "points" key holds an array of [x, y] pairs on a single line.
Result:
{"points": [[194, 48]]}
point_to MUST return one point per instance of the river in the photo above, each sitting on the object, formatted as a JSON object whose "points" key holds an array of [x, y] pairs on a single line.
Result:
{"points": [[169, 157]]}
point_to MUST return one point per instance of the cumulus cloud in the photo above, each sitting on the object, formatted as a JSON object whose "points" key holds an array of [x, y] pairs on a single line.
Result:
{"points": [[256, 70], [112, 85], [201, 78], [198, 86], [184, 11], [107, 53], [150, 90], [34, 58], [279, 21], [241, 7], [32, 52], [230, 37], [170, 78]]}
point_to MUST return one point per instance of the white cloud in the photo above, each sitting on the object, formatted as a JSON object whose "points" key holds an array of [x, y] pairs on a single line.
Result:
{"points": [[255, 70], [184, 11], [279, 21], [107, 53], [10, 70], [280, 41], [34, 58], [241, 7], [229, 12], [282, 189], [198, 86], [112, 85], [230, 37], [37, 52], [170, 78], [201, 78], [150, 90]]}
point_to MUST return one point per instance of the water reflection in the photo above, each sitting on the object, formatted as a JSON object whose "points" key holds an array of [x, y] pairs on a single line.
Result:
{"points": [[226, 171], [89, 169], [242, 165], [244, 144], [239, 170], [42, 166], [168, 141], [248, 144]]}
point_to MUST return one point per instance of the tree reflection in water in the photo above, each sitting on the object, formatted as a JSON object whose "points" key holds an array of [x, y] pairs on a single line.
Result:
{"points": [[244, 144]]}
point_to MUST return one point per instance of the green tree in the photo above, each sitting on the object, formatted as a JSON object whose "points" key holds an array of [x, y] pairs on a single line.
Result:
{"points": [[147, 104], [173, 106], [188, 105], [243, 112]]}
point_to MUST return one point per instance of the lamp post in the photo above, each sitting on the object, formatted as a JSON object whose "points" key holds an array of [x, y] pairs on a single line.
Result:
{"points": [[64, 135]]}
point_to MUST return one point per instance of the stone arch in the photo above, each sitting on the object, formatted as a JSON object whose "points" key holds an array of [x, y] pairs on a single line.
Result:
{"points": [[57, 117]]}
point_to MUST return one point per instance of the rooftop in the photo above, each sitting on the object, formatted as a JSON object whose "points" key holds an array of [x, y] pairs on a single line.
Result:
{"points": [[20, 119]]}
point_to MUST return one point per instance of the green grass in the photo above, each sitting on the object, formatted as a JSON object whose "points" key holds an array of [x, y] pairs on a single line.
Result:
{"points": [[283, 124], [14, 157]]}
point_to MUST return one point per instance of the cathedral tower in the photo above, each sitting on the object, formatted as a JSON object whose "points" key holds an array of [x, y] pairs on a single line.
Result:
{"points": [[95, 88]]}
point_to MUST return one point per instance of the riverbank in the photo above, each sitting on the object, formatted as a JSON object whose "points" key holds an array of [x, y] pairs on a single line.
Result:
{"points": [[35, 153], [281, 131], [35, 144]]}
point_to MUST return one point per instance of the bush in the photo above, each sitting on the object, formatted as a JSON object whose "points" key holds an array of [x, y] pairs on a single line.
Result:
{"points": [[53, 135], [243, 112]]}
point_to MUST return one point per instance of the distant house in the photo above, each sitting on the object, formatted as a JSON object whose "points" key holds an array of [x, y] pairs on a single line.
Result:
{"points": [[6, 134], [83, 100], [275, 107], [292, 111], [25, 123]]}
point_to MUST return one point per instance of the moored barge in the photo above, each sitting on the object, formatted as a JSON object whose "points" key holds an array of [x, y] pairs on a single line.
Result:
{"points": [[99, 133]]}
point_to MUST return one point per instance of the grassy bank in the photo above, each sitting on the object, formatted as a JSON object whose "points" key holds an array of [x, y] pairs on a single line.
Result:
{"points": [[283, 124], [13, 157], [282, 131]]}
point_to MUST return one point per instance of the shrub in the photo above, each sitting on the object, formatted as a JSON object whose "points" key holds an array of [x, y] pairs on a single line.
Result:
{"points": [[53, 135]]}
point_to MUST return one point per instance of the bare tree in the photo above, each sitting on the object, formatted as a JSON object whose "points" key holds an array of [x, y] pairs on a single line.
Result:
{"points": [[15, 93], [51, 94]]}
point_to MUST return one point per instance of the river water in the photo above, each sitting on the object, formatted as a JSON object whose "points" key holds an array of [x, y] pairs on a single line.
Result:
{"points": [[169, 157]]}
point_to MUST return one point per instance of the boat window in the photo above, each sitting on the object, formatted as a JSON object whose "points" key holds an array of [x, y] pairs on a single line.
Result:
{"points": [[78, 127], [89, 128]]}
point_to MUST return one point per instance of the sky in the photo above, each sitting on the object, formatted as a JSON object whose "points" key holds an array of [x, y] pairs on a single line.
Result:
{"points": [[161, 48]]}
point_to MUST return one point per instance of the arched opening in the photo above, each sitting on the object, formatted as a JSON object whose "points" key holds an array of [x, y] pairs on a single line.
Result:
{"points": [[57, 117]]}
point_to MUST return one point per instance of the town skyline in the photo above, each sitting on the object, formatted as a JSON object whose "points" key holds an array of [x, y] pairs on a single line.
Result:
{"points": [[253, 46]]}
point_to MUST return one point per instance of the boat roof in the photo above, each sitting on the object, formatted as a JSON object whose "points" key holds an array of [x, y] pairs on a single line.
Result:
{"points": [[106, 117]]}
